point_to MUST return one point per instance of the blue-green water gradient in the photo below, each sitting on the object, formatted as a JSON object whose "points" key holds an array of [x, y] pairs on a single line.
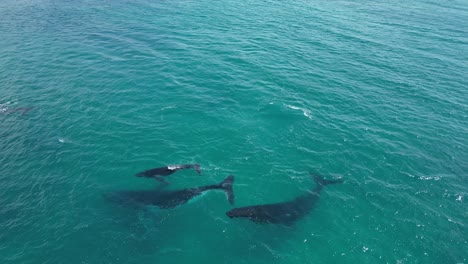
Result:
{"points": [[375, 92]]}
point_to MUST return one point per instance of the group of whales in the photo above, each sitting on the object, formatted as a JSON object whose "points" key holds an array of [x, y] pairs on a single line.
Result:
{"points": [[284, 213]]}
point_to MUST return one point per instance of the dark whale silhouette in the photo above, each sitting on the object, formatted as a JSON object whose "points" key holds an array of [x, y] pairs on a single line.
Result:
{"points": [[285, 213], [171, 199], [158, 173]]}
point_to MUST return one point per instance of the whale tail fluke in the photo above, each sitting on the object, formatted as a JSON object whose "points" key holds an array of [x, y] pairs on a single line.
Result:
{"points": [[322, 182], [226, 185]]}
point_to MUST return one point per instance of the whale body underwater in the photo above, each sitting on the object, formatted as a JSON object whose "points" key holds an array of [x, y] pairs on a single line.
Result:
{"points": [[170, 199], [22, 110], [285, 213]]}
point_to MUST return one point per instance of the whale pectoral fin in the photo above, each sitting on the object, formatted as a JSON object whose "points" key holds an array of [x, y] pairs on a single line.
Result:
{"points": [[162, 180]]}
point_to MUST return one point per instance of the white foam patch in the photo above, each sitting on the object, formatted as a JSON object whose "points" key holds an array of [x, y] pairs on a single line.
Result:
{"points": [[167, 107], [173, 167], [305, 112], [65, 140], [4, 107], [428, 178]]}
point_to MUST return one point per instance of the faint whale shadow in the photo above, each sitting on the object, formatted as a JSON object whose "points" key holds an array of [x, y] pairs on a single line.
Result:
{"points": [[22, 110]]}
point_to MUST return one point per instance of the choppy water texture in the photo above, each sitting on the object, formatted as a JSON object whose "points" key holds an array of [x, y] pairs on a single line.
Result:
{"points": [[373, 91]]}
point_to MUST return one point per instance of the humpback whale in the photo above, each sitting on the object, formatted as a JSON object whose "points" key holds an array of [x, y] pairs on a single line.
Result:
{"points": [[172, 199], [285, 213], [158, 173]]}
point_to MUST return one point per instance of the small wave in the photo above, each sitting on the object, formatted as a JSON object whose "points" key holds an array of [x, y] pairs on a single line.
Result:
{"points": [[65, 140], [429, 178], [167, 107], [305, 112]]}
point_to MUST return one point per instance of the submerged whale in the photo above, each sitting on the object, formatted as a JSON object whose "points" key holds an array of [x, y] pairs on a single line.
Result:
{"points": [[22, 110], [285, 213], [158, 173], [172, 199]]}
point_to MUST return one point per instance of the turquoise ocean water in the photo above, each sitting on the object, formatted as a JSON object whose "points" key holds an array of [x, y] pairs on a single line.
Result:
{"points": [[373, 91]]}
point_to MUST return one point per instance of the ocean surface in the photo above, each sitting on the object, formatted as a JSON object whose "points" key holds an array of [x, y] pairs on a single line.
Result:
{"points": [[375, 92]]}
